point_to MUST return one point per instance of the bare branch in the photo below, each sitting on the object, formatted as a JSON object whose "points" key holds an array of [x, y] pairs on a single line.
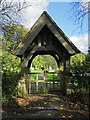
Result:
{"points": [[80, 10], [9, 8]]}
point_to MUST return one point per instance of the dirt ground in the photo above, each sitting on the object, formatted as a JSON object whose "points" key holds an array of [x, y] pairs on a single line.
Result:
{"points": [[49, 106]]}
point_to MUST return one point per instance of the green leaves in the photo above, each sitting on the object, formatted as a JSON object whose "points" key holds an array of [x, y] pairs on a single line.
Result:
{"points": [[12, 35], [44, 61], [80, 67]]}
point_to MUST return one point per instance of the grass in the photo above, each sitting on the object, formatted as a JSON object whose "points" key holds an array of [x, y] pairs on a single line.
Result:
{"points": [[33, 76], [35, 71], [49, 77]]}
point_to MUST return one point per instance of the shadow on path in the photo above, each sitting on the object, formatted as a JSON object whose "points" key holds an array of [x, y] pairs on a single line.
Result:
{"points": [[44, 107]]}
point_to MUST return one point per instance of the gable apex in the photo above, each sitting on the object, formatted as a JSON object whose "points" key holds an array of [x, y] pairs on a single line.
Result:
{"points": [[43, 20]]}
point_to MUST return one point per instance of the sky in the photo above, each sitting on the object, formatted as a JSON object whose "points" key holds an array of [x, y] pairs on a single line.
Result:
{"points": [[62, 14]]}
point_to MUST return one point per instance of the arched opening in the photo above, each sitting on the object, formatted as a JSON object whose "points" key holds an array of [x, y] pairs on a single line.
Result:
{"points": [[45, 38], [47, 59], [44, 73], [44, 62]]}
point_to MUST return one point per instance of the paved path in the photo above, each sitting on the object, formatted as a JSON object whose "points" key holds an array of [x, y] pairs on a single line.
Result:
{"points": [[49, 106]]}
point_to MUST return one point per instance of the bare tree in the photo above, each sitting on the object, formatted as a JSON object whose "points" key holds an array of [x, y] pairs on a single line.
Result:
{"points": [[80, 11], [11, 8]]}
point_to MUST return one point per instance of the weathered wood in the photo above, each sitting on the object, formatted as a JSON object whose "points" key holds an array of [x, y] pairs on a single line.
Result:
{"points": [[68, 63], [61, 66], [29, 78], [45, 20], [45, 37], [53, 81], [37, 83], [39, 40], [45, 91], [64, 66]]}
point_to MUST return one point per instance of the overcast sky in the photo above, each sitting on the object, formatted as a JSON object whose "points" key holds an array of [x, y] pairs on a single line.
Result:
{"points": [[62, 14]]}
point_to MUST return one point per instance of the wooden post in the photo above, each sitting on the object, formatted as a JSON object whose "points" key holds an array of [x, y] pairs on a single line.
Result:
{"points": [[61, 66], [68, 63], [64, 84], [24, 87], [61, 82], [58, 78], [46, 78], [37, 82], [64, 66], [53, 81], [44, 83], [29, 77], [24, 71]]}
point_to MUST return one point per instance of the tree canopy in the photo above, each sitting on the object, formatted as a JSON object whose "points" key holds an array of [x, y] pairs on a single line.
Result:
{"points": [[44, 61], [12, 34]]}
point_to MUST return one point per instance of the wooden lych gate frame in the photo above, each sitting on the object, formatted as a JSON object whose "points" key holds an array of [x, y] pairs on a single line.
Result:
{"points": [[45, 82], [44, 38]]}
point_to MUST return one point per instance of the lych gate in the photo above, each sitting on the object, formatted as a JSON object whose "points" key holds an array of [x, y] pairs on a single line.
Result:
{"points": [[44, 38]]}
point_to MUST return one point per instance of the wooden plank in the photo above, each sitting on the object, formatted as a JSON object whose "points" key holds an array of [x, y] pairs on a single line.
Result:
{"points": [[30, 37], [37, 83], [40, 80], [29, 83], [34, 73], [39, 40], [53, 81], [58, 35], [44, 83]]}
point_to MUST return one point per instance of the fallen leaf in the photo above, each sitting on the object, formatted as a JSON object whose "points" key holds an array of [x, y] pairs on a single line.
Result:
{"points": [[49, 114], [61, 105], [63, 116], [70, 116]]}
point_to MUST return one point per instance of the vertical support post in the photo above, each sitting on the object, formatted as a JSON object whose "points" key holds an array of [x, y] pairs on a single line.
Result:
{"points": [[61, 82], [29, 83], [24, 87], [61, 76], [50, 85], [66, 77], [37, 82], [68, 63], [53, 81], [64, 84], [24, 71], [46, 79], [44, 83], [64, 66], [61, 66], [58, 78]]}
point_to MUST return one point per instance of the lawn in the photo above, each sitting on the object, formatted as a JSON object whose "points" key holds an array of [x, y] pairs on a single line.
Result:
{"points": [[49, 75]]}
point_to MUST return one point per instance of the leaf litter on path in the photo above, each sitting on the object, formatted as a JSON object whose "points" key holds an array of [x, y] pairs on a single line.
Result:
{"points": [[66, 108]]}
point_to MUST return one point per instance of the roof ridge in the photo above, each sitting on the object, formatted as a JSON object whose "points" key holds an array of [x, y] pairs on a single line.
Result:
{"points": [[39, 21]]}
